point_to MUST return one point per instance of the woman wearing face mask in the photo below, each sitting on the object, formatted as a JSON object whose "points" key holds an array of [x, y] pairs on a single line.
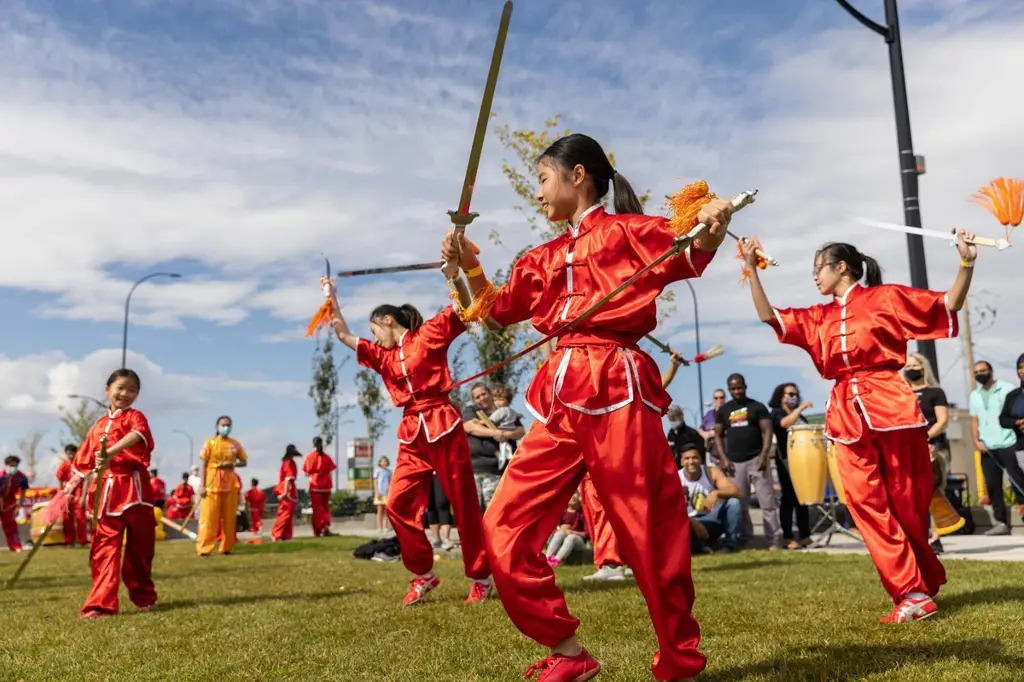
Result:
{"points": [[932, 400], [859, 339], [1012, 417], [787, 410], [411, 356], [599, 401], [218, 510]]}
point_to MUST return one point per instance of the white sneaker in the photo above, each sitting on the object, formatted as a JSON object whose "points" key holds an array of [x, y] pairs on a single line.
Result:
{"points": [[387, 558], [628, 572], [607, 573], [447, 545]]}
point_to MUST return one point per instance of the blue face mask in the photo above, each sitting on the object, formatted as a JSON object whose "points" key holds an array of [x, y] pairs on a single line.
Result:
{"points": [[224, 430], [12, 470]]}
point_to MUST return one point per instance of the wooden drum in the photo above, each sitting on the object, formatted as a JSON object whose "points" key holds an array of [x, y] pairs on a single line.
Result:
{"points": [[806, 460], [833, 473]]}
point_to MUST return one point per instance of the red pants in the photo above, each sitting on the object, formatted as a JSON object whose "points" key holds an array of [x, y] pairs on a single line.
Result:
{"points": [[256, 520], [282, 529], [136, 569], [606, 547], [9, 521], [888, 480], [74, 524], [410, 493], [321, 519], [632, 470]]}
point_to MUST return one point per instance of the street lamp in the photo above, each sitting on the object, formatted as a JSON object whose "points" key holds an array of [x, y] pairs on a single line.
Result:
{"points": [[191, 446], [909, 169], [89, 398], [127, 304], [700, 376]]}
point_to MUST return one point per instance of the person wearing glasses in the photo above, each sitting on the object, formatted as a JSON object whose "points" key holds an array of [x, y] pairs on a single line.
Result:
{"points": [[859, 339], [787, 411]]}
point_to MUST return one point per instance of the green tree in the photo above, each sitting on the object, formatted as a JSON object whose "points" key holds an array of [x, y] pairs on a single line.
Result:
{"points": [[324, 390], [77, 423], [372, 400], [29, 449]]}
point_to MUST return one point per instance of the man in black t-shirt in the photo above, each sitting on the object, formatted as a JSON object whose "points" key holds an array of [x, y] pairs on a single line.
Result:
{"points": [[484, 442], [743, 437]]}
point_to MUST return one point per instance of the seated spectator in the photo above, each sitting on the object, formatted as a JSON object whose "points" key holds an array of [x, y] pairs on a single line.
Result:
{"points": [[570, 535], [180, 502], [713, 502], [681, 437]]}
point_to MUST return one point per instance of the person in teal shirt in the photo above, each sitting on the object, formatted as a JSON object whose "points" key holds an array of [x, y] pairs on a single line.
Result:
{"points": [[996, 445]]}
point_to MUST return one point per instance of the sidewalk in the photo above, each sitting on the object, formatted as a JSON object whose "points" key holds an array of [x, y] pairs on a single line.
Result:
{"points": [[976, 547]]}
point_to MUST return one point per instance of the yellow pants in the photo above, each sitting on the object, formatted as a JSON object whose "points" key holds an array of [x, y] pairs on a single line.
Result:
{"points": [[217, 510]]}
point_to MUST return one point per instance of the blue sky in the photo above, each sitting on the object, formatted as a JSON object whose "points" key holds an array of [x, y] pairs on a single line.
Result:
{"points": [[233, 141]]}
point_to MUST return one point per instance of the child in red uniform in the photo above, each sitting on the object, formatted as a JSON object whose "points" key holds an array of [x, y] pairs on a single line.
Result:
{"points": [[74, 516], [126, 505], [598, 401], [13, 485], [257, 500], [411, 357], [319, 466], [287, 496], [859, 339], [180, 502]]}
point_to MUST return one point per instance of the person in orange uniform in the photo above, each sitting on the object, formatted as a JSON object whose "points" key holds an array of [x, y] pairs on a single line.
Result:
{"points": [[599, 402], [319, 466], [126, 503], [257, 501], [74, 515], [287, 495], [859, 339], [220, 457], [179, 504], [411, 356]]}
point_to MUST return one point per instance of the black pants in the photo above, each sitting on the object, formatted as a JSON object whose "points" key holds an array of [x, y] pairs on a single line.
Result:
{"points": [[791, 504], [439, 509], [993, 463]]}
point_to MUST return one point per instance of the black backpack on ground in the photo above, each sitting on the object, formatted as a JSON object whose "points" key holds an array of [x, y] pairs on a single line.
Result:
{"points": [[388, 546]]}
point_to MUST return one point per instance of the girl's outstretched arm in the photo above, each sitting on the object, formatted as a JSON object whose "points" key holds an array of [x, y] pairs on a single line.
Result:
{"points": [[345, 335], [765, 312]]}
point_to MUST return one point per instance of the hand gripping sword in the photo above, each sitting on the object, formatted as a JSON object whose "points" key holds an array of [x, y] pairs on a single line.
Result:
{"points": [[462, 216]]}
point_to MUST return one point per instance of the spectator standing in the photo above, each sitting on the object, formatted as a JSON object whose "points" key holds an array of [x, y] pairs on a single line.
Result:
{"points": [[707, 425], [996, 443], [712, 500], [194, 481], [1012, 417], [786, 412], [13, 484], [743, 434], [935, 408], [381, 487], [485, 442]]}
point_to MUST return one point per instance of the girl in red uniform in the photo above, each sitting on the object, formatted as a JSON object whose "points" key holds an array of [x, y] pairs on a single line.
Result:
{"points": [[319, 466], [287, 496], [411, 357], [126, 505], [598, 401], [859, 339]]}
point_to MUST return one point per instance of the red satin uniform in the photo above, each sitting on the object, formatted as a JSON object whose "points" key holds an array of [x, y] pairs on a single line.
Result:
{"points": [[180, 502], [319, 466], [126, 507], [159, 489], [430, 438], [74, 516], [880, 435], [599, 401], [257, 500], [287, 496], [606, 547]]}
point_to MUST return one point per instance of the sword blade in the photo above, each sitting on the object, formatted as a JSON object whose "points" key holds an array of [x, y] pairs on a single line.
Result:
{"points": [[389, 270], [999, 244]]}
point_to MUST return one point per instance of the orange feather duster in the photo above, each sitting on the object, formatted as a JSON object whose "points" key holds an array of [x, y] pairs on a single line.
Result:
{"points": [[1004, 198], [686, 204], [322, 318]]}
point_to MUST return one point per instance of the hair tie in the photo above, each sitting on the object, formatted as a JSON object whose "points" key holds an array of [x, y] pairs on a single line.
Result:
{"points": [[613, 174]]}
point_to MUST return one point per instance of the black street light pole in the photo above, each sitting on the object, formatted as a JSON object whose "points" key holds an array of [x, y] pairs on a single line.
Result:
{"points": [[908, 161], [98, 402], [700, 376], [127, 304]]}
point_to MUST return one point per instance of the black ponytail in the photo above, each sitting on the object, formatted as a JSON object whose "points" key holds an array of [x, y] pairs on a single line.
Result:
{"points": [[405, 315], [860, 266], [582, 150], [318, 445]]}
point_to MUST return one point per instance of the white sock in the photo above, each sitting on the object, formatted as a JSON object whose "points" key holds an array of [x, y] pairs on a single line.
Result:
{"points": [[484, 581], [427, 576], [916, 595]]}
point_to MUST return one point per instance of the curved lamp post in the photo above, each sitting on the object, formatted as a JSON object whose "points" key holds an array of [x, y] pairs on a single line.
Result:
{"points": [[127, 305]]}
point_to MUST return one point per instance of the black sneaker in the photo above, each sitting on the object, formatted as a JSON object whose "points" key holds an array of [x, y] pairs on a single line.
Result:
{"points": [[936, 546]]}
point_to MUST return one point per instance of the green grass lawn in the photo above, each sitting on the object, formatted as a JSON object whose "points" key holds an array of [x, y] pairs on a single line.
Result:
{"points": [[308, 611]]}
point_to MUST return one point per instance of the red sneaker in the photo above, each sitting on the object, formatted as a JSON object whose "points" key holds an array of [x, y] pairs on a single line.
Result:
{"points": [[558, 668], [910, 610], [420, 588], [478, 592], [91, 615]]}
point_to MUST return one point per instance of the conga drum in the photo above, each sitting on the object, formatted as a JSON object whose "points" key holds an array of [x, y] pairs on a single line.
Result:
{"points": [[806, 462], [944, 515], [833, 473]]}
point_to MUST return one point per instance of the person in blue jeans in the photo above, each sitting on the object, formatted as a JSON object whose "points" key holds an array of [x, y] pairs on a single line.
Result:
{"points": [[713, 503]]}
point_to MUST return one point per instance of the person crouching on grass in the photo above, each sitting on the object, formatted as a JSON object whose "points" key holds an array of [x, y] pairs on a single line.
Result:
{"points": [[126, 506]]}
